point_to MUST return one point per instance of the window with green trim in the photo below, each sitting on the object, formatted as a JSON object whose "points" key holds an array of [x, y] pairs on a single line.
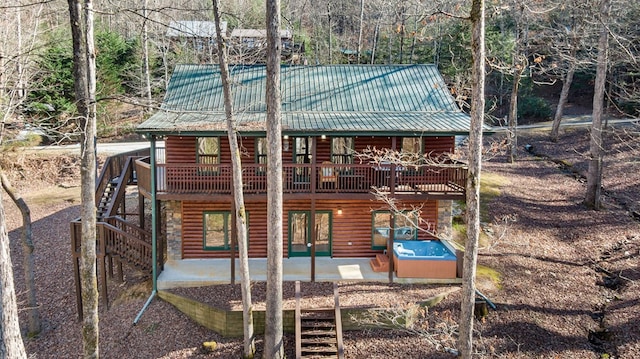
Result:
{"points": [[217, 230], [342, 149], [261, 154], [208, 153], [405, 227]]}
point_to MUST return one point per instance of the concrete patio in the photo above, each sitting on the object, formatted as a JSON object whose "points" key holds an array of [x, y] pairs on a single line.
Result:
{"points": [[204, 272]]}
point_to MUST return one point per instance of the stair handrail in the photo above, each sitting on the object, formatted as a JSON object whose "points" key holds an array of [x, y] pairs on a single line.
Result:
{"points": [[112, 167], [125, 176], [338, 318], [298, 318]]}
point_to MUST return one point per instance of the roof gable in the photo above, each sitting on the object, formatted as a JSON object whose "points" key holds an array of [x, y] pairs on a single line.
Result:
{"points": [[343, 98]]}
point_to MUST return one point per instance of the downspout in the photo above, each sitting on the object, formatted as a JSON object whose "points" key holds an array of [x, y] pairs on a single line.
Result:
{"points": [[154, 229]]}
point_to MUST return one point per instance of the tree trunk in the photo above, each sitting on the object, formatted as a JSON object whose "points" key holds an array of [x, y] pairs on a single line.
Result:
{"points": [[238, 196], [562, 101], [376, 31], [596, 149], [84, 86], [360, 30], [465, 339], [146, 93], [513, 111], [273, 345], [330, 32], [11, 345], [28, 257]]}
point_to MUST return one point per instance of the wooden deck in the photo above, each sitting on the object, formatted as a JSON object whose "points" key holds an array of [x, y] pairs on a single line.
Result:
{"points": [[322, 179]]}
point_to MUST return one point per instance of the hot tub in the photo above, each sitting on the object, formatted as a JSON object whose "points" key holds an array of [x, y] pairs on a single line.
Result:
{"points": [[423, 259]]}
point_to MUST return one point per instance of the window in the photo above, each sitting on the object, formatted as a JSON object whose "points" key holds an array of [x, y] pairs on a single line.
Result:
{"points": [[302, 154], [217, 230], [209, 150], [303, 149], [342, 149], [411, 148], [208, 153], [261, 154], [405, 228]]}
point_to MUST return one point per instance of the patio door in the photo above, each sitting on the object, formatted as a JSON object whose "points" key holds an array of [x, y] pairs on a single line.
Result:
{"points": [[300, 233]]}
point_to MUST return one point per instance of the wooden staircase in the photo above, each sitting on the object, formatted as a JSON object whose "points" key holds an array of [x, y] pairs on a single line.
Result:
{"points": [[319, 331], [380, 263], [106, 199], [117, 240]]}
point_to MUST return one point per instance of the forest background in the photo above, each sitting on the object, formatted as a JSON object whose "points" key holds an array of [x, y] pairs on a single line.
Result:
{"points": [[533, 48]]}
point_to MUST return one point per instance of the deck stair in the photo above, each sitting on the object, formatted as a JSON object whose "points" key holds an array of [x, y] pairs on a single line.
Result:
{"points": [[380, 263], [106, 198], [118, 240], [319, 331]]}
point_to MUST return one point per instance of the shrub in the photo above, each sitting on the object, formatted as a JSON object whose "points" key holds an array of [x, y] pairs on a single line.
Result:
{"points": [[533, 107]]}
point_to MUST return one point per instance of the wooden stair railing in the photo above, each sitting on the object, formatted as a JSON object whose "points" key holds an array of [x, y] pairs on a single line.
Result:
{"points": [[112, 170], [116, 189], [319, 331]]}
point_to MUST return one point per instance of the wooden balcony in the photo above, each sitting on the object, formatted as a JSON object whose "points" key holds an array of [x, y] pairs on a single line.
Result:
{"points": [[325, 179]]}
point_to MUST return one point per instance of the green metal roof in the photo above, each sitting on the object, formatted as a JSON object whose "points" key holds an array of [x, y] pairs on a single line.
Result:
{"points": [[346, 99]]}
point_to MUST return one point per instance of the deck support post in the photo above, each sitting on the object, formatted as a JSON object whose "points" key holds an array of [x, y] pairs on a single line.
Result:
{"points": [[313, 208], [392, 220]]}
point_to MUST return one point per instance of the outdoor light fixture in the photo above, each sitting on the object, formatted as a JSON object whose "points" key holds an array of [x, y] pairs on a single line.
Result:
{"points": [[339, 210], [286, 137], [323, 137]]}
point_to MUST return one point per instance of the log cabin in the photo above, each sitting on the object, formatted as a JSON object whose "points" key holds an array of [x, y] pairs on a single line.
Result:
{"points": [[331, 116]]}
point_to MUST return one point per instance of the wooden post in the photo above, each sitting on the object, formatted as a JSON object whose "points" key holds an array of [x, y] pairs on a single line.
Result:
{"points": [[75, 238], [101, 257], [313, 208], [392, 220], [232, 247]]}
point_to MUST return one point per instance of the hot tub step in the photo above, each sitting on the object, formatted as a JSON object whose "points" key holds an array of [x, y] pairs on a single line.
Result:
{"points": [[380, 263]]}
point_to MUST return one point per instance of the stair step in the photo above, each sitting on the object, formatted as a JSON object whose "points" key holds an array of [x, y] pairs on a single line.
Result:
{"points": [[382, 258], [305, 324], [324, 341], [318, 350], [379, 267], [318, 333]]}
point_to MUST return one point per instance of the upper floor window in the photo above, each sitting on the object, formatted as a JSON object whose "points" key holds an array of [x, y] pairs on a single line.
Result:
{"points": [[208, 153], [342, 149], [411, 148], [261, 153], [302, 150], [208, 150]]}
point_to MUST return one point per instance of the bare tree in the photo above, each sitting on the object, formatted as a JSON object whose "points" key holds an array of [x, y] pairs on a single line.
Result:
{"points": [[19, 36], [84, 70], [238, 196], [11, 345], [27, 253], [568, 36], [596, 149], [273, 344], [465, 339]]}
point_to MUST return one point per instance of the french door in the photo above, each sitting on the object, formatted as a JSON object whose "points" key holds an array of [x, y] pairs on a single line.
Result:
{"points": [[300, 233]]}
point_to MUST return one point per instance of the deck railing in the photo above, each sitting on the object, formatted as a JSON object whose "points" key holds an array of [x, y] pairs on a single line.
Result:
{"points": [[305, 178]]}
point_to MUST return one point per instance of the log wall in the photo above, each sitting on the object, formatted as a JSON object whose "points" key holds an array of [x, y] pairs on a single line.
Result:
{"points": [[182, 149], [351, 230]]}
